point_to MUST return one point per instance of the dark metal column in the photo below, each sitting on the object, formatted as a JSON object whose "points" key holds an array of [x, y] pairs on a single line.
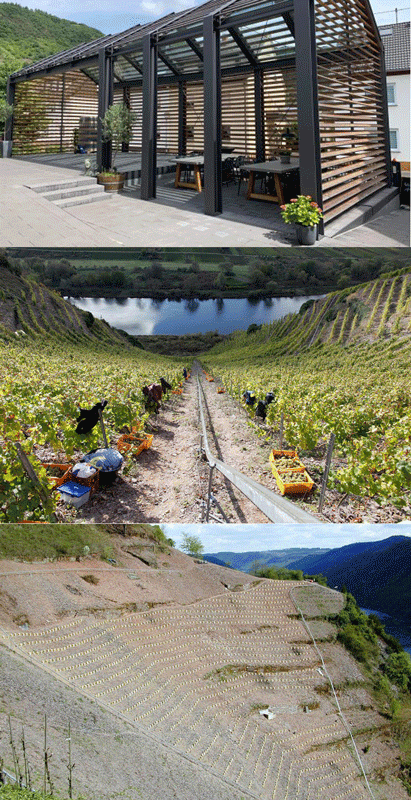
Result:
{"points": [[182, 118], [213, 203], [307, 100], [10, 97], [259, 114], [105, 99], [386, 123], [63, 84], [127, 102], [149, 133]]}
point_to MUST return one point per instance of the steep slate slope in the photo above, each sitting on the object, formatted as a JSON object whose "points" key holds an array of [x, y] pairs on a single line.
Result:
{"points": [[31, 308]]}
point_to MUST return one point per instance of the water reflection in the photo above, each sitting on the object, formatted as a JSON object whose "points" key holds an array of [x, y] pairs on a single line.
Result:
{"points": [[192, 305], [145, 316]]}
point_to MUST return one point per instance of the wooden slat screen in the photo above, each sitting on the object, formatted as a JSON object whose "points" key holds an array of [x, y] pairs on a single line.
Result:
{"points": [[195, 117], [280, 110], [49, 111], [350, 105], [237, 115], [167, 118]]}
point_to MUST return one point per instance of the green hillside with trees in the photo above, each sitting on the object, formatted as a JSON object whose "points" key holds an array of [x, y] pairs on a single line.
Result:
{"points": [[27, 36], [169, 273]]}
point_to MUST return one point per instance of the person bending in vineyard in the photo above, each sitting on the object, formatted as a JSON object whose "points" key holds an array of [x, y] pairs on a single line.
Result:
{"points": [[89, 417]]}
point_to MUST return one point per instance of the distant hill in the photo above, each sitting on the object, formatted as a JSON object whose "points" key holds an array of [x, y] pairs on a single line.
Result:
{"points": [[264, 558], [166, 272], [378, 574], [27, 36]]}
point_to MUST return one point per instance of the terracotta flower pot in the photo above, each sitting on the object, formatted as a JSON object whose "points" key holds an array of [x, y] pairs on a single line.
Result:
{"points": [[112, 182], [306, 234]]}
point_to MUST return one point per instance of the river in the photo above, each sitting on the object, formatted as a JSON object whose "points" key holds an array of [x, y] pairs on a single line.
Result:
{"points": [[147, 317], [395, 627]]}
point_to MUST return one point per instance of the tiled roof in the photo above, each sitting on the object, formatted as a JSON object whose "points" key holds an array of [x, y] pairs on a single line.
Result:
{"points": [[396, 41]]}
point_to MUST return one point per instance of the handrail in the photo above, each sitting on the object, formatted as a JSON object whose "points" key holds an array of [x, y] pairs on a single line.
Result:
{"points": [[277, 509]]}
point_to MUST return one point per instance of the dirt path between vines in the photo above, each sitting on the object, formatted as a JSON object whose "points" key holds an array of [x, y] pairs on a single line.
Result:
{"points": [[169, 481]]}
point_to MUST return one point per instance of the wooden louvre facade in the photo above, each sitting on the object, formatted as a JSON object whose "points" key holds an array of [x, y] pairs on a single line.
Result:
{"points": [[55, 112], [245, 74]]}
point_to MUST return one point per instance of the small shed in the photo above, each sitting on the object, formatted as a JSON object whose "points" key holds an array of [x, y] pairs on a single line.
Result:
{"points": [[244, 73]]}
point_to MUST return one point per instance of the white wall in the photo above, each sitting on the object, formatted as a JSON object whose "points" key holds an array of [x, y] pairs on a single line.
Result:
{"points": [[399, 115]]}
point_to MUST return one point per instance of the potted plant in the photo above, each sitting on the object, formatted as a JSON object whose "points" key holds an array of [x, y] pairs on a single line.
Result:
{"points": [[285, 156], [305, 213], [5, 112], [289, 141], [117, 128]]}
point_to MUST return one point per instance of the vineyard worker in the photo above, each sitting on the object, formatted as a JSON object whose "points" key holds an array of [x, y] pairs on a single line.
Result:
{"points": [[89, 417]]}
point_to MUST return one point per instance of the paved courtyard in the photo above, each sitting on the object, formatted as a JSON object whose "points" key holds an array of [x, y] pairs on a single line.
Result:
{"points": [[174, 218]]}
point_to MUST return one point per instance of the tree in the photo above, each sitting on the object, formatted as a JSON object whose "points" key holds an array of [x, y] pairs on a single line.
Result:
{"points": [[192, 546], [30, 118], [5, 112], [118, 126]]}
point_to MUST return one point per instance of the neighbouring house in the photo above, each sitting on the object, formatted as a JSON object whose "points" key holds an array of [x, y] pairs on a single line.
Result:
{"points": [[239, 73], [396, 41]]}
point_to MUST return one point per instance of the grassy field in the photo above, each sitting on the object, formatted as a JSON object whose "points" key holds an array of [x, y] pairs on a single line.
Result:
{"points": [[34, 542], [37, 542]]}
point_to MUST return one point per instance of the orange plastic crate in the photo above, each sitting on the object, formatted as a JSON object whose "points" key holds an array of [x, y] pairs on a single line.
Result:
{"points": [[92, 482], [135, 443], [62, 471]]}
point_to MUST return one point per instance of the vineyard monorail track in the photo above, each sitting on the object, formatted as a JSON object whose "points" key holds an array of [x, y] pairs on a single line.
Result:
{"points": [[276, 509]]}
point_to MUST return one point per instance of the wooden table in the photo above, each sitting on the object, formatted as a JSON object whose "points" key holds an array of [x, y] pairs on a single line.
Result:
{"points": [[275, 168], [196, 162]]}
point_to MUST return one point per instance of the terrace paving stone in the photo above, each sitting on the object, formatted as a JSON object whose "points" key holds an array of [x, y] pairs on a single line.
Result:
{"points": [[27, 219]]}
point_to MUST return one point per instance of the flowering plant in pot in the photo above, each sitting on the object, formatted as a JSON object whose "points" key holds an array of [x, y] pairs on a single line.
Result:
{"points": [[305, 213], [117, 128]]}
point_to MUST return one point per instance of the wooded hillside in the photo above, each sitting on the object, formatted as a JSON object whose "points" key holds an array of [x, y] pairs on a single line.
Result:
{"points": [[27, 36]]}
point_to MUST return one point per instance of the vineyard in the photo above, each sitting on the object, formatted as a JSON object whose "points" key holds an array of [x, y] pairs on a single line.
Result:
{"points": [[55, 360], [341, 366]]}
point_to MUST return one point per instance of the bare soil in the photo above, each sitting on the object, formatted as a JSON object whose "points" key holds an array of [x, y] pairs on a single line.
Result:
{"points": [[169, 481]]}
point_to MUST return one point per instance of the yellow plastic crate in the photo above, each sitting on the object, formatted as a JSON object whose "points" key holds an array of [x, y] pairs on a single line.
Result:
{"points": [[275, 456], [301, 487]]}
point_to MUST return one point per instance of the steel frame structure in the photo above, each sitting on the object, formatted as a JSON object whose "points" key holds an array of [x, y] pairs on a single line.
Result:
{"points": [[217, 41]]}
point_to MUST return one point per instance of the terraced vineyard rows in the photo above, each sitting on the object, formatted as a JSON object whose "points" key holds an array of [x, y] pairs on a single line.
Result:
{"points": [[196, 678], [339, 367]]}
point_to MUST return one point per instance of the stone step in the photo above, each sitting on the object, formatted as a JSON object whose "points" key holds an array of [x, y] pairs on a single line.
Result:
{"points": [[81, 199], [42, 188], [73, 191]]}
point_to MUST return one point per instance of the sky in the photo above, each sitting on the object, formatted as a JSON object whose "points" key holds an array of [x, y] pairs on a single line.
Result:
{"points": [[109, 16], [249, 538]]}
